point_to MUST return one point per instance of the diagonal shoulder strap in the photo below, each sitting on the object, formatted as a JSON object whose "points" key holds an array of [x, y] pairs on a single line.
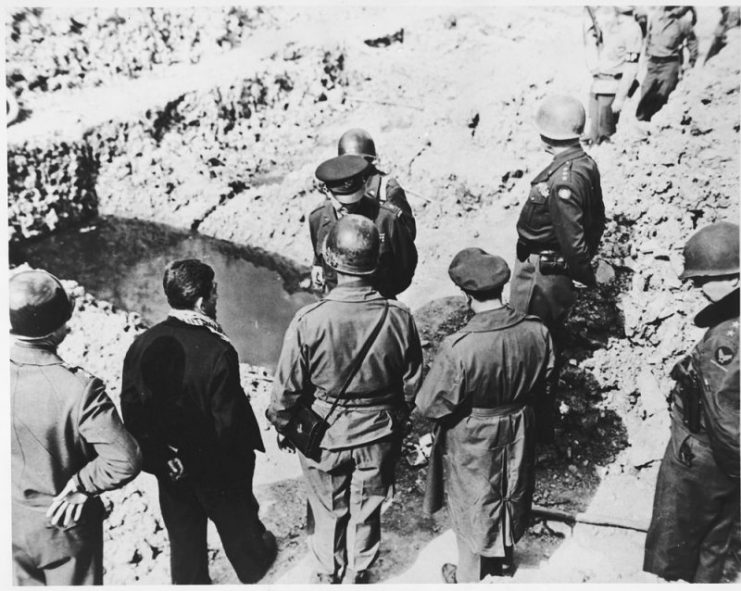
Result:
{"points": [[359, 358]]}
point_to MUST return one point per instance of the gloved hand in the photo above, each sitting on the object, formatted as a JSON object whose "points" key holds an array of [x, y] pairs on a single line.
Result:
{"points": [[66, 507]]}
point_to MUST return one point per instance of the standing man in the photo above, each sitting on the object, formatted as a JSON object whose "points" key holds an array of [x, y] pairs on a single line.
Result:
{"points": [[479, 390], [613, 42], [344, 178], [695, 521], [668, 33], [67, 443], [559, 229], [353, 325], [379, 185], [182, 399]]}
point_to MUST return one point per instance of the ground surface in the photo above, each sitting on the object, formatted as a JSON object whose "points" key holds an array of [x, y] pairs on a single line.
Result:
{"points": [[450, 102]]}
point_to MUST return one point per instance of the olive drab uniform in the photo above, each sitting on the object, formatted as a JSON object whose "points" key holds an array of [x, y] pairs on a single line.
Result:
{"points": [[384, 188], [398, 256], [348, 484], [695, 522], [480, 389], [63, 426]]}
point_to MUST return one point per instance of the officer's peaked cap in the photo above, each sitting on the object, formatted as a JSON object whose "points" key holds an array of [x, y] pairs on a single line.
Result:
{"points": [[475, 270], [343, 174]]}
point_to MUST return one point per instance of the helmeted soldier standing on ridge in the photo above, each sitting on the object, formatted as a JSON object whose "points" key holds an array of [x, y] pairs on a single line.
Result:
{"points": [[351, 328], [344, 177], [378, 185], [695, 521], [559, 228], [68, 444]]}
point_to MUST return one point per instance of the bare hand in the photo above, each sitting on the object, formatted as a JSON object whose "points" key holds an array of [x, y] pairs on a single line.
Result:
{"points": [[66, 507], [317, 277], [285, 443]]}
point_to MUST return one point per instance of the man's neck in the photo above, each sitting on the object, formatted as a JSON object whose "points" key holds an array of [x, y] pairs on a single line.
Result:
{"points": [[486, 305], [343, 279]]}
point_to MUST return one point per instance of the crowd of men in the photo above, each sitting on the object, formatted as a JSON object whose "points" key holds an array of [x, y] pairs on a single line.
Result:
{"points": [[353, 361]]}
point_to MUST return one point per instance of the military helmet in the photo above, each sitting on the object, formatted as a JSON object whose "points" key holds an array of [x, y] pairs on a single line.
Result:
{"points": [[560, 117], [712, 251], [357, 141], [39, 305], [352, 246]]}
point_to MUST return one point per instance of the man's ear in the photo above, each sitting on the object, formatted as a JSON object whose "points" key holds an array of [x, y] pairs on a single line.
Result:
{"points": [[199, 304]]}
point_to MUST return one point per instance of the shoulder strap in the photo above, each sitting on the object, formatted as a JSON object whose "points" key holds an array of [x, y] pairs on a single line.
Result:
{"points": [[358, 361]]}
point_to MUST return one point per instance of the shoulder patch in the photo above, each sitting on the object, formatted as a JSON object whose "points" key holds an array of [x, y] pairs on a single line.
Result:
{"points": [[724, 355], [564, 193]]}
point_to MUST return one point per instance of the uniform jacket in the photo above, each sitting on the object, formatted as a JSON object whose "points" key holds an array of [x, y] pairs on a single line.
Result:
{"points": [[478, 389], [384, 188], [398, 258], [181, 388], [565, 212], [323, 339], [667, 34], [621, 44], [64, 425]]}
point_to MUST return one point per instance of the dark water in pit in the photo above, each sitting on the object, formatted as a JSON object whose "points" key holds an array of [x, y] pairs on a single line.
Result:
{"points": [[122, 261]]}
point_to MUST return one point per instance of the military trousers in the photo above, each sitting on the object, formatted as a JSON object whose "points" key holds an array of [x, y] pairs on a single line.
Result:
{"points": [[603, 121], [186, 510], [473, 567], [695, 522], [48, 555], [346, 489], [661, 80]]}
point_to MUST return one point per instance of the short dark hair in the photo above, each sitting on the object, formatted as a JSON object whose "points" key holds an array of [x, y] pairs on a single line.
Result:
{"points": [[187, 280], [490, 294]]}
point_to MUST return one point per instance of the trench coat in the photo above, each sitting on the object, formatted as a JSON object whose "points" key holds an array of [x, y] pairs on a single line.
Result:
{"points": [[479, 390]]}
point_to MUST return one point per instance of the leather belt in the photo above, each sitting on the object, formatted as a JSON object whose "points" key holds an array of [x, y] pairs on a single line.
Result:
{"points": [[664, 60]]}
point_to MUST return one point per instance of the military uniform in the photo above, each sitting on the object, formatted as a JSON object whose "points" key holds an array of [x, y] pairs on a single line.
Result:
{"points": [[64, 426], [480, 387], [695, 520], [621, 45], [564, 214], [668, 32], [348, 484], [398, 258], [386, 189]]}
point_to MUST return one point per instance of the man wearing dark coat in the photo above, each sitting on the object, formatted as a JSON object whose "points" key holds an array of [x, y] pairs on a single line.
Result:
{"points": [[68, 444], [479, 390], [695, 522], [182, 399]]}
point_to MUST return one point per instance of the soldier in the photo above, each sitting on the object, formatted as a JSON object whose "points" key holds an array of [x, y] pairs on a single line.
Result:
{"points": [[695, 517], [559, 228], [68, 444], [182, 399], [668, 33], [379, 185], [358, 349], [344, 177], [613, 48], [729, 18], [479, 390]]}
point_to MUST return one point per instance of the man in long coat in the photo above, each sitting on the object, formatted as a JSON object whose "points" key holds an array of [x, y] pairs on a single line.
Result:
{"points": [[479, 389]]}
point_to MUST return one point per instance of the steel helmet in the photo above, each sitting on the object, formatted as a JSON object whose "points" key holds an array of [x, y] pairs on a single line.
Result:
{"points": [[357, 141], [39, 305], [712, 251], [352, 246], [560, 117]]}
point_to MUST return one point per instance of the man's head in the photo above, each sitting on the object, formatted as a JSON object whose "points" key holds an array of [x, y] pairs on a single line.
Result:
{"points": [[344, 177], [352, 246], [711, 259], [481, 276], [357, 141], [189, 285], [39, 305], [560, 120]]}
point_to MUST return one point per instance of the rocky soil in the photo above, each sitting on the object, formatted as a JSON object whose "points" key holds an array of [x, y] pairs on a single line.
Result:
{"points": [[228, 147]]}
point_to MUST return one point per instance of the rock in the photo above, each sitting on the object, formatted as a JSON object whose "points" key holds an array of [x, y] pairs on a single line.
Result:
{"points": [[653, 396], [605, 273]]}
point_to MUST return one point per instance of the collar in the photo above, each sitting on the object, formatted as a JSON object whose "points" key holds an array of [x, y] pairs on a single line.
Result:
{"points": [[559, 160], [498, 319], [33, 354], [717, 312], [354, 291]]}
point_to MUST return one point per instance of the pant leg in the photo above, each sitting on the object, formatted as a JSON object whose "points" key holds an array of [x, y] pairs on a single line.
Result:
{"points": [[717, 545], [371, 481], [607, 119], [661, 80], [328, 490], [49, 555], [235, 514], [593, 135], [185, 521]]}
